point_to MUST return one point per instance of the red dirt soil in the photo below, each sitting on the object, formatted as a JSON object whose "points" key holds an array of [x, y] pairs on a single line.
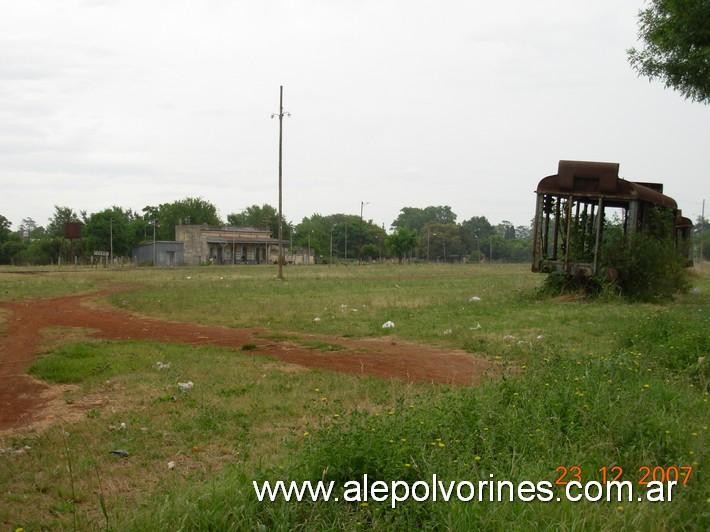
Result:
{"points": [[21, 401]]}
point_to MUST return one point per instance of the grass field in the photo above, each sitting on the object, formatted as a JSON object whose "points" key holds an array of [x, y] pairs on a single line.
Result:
{"points": [[596, 383]]}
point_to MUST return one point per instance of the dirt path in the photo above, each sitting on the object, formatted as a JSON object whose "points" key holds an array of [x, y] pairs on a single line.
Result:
{"points": [[21, 397]]}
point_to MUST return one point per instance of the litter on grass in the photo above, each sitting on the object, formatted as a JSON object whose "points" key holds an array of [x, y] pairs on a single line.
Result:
{"points": [[474, 299], [120, 452], [388, 325], [185, 386]]}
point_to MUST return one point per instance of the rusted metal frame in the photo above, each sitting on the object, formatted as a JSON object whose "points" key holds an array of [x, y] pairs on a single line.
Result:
{"points": [[569, 227], [633, 216], [557, 227], [576, 216], [592, 222], [598, 236], [546, 234], [537, 247]]}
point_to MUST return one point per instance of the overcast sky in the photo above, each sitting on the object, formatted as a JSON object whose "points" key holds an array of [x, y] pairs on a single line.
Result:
{"points": [[396, 103]]}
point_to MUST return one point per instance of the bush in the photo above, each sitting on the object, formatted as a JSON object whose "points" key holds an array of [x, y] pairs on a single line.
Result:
{"points": [[649, 266]]}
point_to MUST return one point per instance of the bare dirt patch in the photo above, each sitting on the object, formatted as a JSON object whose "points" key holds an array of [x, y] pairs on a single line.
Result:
{"points": [[24, 400]]}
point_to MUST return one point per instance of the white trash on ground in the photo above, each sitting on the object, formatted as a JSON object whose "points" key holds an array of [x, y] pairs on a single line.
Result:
{"points": [[185, 386], [316, 319], [171, 465], [474, 299], [388, 325]]}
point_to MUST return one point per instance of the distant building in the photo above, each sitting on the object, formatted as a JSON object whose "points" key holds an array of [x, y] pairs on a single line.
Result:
{"points": [[166, 253], [215, 244]]}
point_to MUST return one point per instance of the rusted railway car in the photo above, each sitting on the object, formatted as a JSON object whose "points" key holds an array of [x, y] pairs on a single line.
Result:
{"points": [[572, 208]]}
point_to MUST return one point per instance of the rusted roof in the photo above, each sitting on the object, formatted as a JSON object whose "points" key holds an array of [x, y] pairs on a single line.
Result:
{"points": [[600, 180]]}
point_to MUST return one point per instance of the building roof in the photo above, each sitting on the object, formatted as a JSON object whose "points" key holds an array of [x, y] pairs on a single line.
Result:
{"points": [[229, 228], [150, 243], [217, 240]]}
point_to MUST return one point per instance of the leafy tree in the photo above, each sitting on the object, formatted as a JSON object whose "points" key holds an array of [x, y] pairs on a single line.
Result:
{"points": [[185, 211], [475, 233], [676, 38], [27, 228], [699, 234], [4, 228], [101, 225], [439, 241], [264, 217], [348, 233], [506, 230], [11, 248], [61, 216], [402, 242], [415, 218]]}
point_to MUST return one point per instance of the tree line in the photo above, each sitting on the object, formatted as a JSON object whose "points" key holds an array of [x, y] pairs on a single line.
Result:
{"points": [[431, 233]]}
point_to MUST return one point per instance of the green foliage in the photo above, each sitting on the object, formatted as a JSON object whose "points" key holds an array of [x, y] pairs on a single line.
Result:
{"points": [[346, 229], [4, 228], [558, 283], [264, 217], [701, 233], [676, 340], [441, 242], [77, 363], [61, 216], [415, 218], [401, 242], [625, 408], [648, 265], [185, 211], [125, 225], [676, 39]]}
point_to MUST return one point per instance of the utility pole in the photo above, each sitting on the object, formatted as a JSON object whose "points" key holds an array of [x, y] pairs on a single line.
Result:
{"points": [[110, 256], [702, 234], [362, 206], [281, 115], [155, 252], [331, 244]]}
